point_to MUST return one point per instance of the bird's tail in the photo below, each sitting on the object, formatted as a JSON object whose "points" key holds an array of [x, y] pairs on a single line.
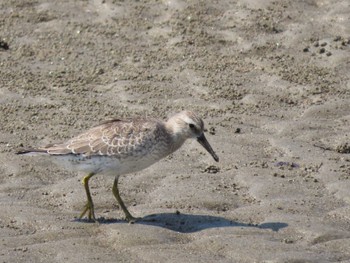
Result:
{"points": [[31, 151]]}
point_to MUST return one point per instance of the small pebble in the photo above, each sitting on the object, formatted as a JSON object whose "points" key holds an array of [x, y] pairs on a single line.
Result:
{"points": [[4, 45]]}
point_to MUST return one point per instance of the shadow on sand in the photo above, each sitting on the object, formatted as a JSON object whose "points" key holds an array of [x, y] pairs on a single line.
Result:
{"points": [[187, 223]]}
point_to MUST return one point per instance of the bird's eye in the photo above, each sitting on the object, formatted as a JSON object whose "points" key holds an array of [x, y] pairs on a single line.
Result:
{"points": [[191, 125]]}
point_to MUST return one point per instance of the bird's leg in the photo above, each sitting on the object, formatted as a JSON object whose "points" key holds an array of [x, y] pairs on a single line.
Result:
{"points": [[89, 207], [115, 190]]}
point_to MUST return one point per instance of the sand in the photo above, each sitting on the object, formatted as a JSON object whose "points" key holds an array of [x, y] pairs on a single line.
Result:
{"points": [[271, 79]]}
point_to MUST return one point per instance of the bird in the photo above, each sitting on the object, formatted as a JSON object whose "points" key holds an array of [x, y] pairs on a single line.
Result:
{"points": [[123, 146]]}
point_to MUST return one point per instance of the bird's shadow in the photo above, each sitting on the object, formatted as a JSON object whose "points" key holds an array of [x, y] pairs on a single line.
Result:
{"points": [[188, 223]]}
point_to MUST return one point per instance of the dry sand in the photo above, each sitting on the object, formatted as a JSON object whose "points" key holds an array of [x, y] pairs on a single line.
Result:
{"points": [[270, 78]]}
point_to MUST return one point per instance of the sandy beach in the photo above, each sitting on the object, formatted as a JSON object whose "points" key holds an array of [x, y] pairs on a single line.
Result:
{"points": [[271, 80]]}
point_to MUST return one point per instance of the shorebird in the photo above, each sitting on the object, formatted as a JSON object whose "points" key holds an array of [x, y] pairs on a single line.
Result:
{"points": [[123, 146]]}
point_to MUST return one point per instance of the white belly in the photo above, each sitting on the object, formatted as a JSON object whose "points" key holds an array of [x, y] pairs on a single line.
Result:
{"points": [[102, 164]]}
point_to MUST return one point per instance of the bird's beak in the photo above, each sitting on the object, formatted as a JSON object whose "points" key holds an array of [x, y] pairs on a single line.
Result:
{"points": [[203, 141]]}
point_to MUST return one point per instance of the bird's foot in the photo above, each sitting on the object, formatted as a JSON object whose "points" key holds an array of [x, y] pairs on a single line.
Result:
{"points": [[131, 219], [89, 210]]}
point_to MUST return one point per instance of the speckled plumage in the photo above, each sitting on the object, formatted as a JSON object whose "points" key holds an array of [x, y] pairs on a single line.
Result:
{"points": [[125, 146], [119, 138], [117, 146]]}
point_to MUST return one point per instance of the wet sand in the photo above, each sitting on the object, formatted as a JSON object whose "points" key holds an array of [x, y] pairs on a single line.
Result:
{"points": [[270, 79]]}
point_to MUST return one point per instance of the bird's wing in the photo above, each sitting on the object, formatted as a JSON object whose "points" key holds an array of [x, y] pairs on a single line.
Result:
{"points": [[112, 138]]}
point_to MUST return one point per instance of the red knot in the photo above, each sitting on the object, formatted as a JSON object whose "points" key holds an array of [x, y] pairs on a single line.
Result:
{"points": [[123, 146]]}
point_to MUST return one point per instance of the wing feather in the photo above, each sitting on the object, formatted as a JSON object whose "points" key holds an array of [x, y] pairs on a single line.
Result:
{"points": [[115, 138]]}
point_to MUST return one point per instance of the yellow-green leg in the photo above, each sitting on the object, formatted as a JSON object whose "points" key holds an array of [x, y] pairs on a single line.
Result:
{"points": [[89, 207], [115, 190]]}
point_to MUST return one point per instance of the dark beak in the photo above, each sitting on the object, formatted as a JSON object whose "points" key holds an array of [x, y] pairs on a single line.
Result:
{"points": [[203, 141]]}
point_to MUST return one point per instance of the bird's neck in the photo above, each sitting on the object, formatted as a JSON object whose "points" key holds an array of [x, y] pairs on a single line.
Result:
{"points": [[177, 137]]}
